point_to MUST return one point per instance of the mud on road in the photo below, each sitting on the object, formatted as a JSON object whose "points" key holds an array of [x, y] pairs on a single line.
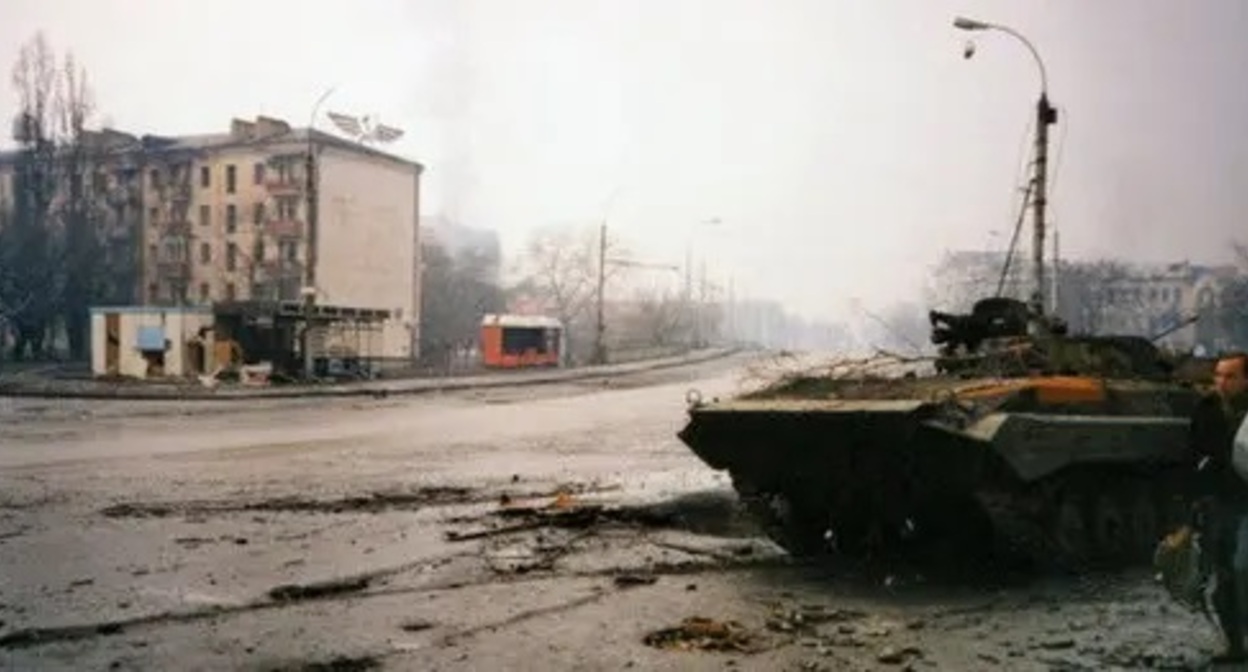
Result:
{"points": [[584, 578], [560, 528]]}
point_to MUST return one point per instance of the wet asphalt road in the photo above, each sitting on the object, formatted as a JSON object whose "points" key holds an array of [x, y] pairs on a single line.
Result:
{"points": [[313, 535]]}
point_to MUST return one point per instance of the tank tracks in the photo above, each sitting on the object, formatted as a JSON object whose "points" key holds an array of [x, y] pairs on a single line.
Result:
{"points": [[1079, 522], [1085, 521]]}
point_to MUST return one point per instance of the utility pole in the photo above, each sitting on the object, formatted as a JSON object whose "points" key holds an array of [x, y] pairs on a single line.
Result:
{"points": [[689, 312], [702, 304], [309, 270], [1057, 269], [600, 346], [1045, 116]]}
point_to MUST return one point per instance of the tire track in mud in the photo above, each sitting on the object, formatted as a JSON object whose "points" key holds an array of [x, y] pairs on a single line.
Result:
{"points": [[358, 587], [279, 597], [372, 502]]}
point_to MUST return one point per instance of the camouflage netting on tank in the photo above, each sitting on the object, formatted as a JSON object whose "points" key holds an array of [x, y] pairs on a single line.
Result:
{"points": [[890, 376], [883, 376]]}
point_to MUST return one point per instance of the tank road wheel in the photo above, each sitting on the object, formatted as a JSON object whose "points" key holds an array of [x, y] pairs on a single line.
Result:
{"points": [[1111, 536], [1144, 520], [1068, 529], [793, 527], [797, 529]]}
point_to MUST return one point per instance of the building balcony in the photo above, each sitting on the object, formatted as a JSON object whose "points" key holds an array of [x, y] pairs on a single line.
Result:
{"points": [[279, 269], [177, 227], [173, 270], [121, 196], [283, 228], [284, 187], [178, 192]]}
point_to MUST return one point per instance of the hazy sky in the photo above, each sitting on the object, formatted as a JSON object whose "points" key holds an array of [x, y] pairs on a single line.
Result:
{"points": [[844, 144]]}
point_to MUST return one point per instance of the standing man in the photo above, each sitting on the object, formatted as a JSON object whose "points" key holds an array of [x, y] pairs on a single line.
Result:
{"points": [[1216, 419]]}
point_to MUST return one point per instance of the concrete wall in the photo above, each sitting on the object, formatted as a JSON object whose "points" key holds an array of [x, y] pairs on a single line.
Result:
{"points": [[367, 242], [180, 325]]}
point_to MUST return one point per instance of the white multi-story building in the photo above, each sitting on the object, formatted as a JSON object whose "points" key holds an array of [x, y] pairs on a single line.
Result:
{"points": [[225, 218]]}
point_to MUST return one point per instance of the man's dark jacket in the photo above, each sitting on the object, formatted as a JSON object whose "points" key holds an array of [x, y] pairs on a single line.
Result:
{"points": [[1214, 423]]}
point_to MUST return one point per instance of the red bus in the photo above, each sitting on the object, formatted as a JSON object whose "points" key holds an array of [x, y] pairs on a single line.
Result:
{"points": [[521, 341]]}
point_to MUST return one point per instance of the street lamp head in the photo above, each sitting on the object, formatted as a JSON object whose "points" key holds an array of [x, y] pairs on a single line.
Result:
{"points": [[963, 23]]}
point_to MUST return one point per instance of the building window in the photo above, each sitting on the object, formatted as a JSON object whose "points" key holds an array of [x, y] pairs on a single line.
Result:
{"points": [[203, 292], [231, 257], [154, 178], [205, 215], [257, 173], [205, 253], [205, 176], [231, 178], [257, 252], [288, 250], [153, 293], [286, 208], [231, 218], [258, 213], [153, 214], [229, 291]]}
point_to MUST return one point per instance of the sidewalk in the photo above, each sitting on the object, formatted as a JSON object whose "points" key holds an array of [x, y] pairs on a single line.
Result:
{"points": [[93, 389]]}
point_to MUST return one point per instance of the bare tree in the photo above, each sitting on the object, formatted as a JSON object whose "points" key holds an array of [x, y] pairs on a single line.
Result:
{"points": [[1102, 296], [456, 291], [960, 279], [50, 244], [80, 282], [1233, 303], [28, 244], [561, 269], [661, 319]]}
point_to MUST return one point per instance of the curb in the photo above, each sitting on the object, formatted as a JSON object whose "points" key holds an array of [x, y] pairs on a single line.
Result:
{"points": [[365, 389]]}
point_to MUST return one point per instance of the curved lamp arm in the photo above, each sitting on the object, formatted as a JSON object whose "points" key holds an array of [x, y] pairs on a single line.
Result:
{"points": [[963, 23]]}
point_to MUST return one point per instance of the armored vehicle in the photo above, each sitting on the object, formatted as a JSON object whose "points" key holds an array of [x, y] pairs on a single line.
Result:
{"points": [[1067, 449]]}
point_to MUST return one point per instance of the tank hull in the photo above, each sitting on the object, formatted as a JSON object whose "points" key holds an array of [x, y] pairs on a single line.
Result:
{"points": [[1072, 483]]}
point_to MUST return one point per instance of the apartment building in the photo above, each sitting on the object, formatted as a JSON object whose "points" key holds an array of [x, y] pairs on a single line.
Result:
{"points": [[1107, 296], [224, 217]]}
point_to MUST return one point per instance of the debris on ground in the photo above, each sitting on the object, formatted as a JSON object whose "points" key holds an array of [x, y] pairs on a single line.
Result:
{"points": [[892, 655], [417, 625], [630, 580], [313, 591], [698, 633], [807, 616]]}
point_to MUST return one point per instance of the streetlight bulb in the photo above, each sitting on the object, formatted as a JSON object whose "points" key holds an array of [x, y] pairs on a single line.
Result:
{"points": [[963, 23]]}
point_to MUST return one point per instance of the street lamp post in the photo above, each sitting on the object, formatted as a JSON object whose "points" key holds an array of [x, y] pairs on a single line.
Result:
{"points": [[600, 346], [1046, 116], [698, 305], [309, 271]]}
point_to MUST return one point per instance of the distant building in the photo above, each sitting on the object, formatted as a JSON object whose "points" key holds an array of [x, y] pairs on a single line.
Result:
{"points": [[1104, 296], [224, 217]]}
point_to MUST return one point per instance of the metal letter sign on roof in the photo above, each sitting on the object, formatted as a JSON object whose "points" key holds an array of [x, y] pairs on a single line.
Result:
{"points": [[348, 124]]}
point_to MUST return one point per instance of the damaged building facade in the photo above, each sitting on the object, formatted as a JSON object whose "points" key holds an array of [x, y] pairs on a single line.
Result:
{"points": [[233, 221]]}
